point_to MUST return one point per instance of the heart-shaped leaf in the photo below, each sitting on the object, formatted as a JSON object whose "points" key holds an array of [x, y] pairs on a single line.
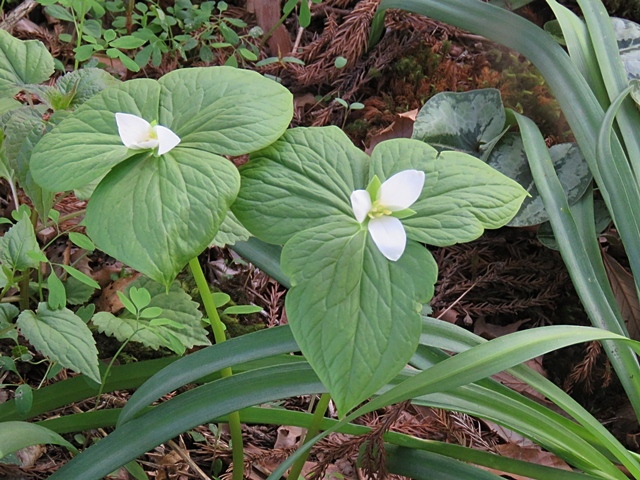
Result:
{"points": [[464, 121], [573, 172], [157, 212]]}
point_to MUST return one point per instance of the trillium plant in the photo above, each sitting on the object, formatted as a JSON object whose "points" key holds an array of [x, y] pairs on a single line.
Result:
{"points": [[353, 226]]}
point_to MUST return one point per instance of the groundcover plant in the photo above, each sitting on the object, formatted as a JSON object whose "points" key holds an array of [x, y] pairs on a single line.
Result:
{"points": [[150, 155]]}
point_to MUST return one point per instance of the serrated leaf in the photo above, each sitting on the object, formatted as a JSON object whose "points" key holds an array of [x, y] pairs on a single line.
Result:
{"points": [[57, 294], [7, 313], [312, 173], [63, 337], [16, 243], [230, 232], [22, 63], [354, 314], [123, 329], [84, 84], [78, 293]]}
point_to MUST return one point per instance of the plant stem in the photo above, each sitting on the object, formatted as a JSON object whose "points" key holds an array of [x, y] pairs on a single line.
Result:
{"points": [[314, 428], [219, 335]]}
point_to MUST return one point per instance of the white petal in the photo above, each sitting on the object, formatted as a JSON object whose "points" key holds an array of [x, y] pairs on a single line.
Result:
{"points": [[401, 190], [361, 204], [166, 139], [389, 236], [135, 132]]}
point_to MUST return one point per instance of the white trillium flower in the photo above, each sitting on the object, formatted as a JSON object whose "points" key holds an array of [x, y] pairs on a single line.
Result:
{"points": [[138, 134], [397, 193]]}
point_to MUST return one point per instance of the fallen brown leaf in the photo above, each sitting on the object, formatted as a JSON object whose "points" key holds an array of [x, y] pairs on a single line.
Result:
{"points": [[402, 127], [624, 290]]}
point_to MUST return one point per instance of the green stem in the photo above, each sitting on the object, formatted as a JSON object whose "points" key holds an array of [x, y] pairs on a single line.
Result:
{"points": [[220, 336], [314, 429]]}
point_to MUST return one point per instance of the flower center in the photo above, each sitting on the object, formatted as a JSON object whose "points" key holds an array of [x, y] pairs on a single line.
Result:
{"points": [[378, 210]]}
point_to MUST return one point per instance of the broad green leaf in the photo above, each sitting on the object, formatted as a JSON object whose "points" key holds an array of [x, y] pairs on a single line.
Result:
{"points": [[57, 294], [82, 241], [468, 197], [22, 63], [160, 225], [302, 180], [24, 399], [78, 292], [510, 159], [157, 213], [469, 122], [17, 435], [7, 313], [354, 314], [17, 124], [86, 145], [7, 104], [16, 243], [85, 83], [225, 110], [63, 337], [230, 232]]}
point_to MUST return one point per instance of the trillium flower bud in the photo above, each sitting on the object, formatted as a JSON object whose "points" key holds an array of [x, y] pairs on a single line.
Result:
{"points": [[138, 134]]}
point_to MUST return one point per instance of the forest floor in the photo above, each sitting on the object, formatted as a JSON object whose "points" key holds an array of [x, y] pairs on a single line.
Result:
{"points": [[503, 282]]}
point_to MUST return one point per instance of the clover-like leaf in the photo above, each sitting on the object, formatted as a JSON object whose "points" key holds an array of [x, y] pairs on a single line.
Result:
{"points": [[157, 209], [63, 337], [22, 63], [355, 315], [176, 306]]}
